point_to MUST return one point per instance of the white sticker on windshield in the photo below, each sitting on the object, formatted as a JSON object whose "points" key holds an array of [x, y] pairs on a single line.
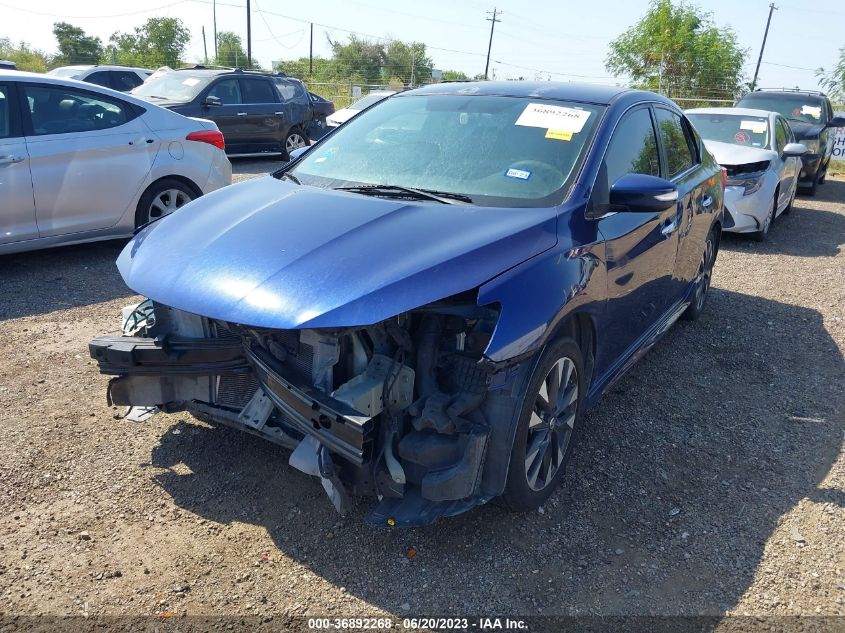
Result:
{"points": [[755, 127], [190, 81], [553, 117], [813, 111], [520, 174]]}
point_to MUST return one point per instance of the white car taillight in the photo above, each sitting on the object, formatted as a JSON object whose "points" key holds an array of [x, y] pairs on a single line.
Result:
{"points": [[212, 137]]}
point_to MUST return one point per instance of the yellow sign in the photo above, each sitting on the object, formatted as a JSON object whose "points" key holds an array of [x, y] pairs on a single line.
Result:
{"points": [[560, 135]]}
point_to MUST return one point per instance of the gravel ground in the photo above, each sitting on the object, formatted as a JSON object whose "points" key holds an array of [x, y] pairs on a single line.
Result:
{"points": [[710, 480]]}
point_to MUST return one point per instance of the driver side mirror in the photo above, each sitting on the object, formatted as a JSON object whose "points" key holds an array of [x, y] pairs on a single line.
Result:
{"points": [[794, 149], [212, 101], [837, 121], [640, 192]]}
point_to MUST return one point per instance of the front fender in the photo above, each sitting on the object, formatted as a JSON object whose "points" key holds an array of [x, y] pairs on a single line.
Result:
{"points": [[537, 295]]}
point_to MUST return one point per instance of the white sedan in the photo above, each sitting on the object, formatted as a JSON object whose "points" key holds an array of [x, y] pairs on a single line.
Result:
{"points": [[81, 163], [758, 150]]}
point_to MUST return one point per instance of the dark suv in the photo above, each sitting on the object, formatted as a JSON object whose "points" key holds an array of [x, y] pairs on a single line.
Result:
{"points": [[811, 118], [257, 112]]}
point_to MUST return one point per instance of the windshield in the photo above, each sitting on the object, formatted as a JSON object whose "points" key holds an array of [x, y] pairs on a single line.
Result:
{"points": [[66, 72], [177, 86], [366, 102], [731, 128], [499, 151], [803, 108]]}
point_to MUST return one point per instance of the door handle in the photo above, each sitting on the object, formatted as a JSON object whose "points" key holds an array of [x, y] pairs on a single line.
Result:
{"points": [[279, 113], [707, 202], [670, 227], [241, 113], [11, 160]]}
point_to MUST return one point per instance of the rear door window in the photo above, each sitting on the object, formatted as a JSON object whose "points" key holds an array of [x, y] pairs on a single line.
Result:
{"points": [[677, 142], [257, 91], [286, 89], [228, 91]]}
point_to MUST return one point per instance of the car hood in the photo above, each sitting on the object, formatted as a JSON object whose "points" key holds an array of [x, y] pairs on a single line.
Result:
{"points": [[806, 130], [343, 115], [164, 103], [269, 253], [730, 154]]}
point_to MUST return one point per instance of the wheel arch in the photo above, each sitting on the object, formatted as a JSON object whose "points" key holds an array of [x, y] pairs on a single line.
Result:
{"points": [[580, 327], [190, 184]]}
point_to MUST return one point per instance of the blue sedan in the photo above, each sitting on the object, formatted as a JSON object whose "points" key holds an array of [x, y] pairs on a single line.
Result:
{"points": [[423, 304]]}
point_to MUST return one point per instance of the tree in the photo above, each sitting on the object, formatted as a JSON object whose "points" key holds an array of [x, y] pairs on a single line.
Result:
{"points": [[158, 42], [230, 50], [75, 47], [24, 56], [455, 75], [833, 80], [359, 59], [407, 62], [678, 50]]}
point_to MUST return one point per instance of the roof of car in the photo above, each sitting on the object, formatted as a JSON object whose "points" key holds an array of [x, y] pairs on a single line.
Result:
{"points": [[591, 93], [731, 111], [200, 69], [783, 93], [102, 67]]}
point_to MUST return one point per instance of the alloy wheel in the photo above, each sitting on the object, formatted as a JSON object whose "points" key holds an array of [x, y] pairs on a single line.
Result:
{"points": [[166, 203], [551, 424], [294, 141], [705, 273]]}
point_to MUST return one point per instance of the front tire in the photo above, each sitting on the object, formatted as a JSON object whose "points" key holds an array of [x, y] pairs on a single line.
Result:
{"points": [[763, 233], [551, 408], [704, 277]]}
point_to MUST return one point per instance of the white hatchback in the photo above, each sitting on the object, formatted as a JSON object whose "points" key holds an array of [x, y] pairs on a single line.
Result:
{"points": [[81, 163]]}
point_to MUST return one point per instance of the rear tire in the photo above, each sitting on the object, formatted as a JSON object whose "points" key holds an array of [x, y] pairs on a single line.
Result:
{"points": [[162, 198], [551, 409], [295, 139], [811, 190], [704, 277]]}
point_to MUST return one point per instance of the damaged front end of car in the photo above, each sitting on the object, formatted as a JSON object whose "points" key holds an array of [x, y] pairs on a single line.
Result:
{"points": [[408, 410]]}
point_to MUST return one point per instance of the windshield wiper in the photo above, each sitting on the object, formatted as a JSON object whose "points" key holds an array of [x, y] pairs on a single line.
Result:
{"points": [[398, 191]]}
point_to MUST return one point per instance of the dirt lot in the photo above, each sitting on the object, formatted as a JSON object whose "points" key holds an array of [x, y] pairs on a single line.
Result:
{"points": [[710, 480]]}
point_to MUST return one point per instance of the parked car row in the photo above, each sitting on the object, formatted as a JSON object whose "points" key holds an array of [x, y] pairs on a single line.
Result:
{"points": [[755, 142]]}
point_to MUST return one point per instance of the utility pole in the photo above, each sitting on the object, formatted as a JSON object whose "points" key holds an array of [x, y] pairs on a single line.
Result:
{"points": [[492, 21], [214, 15], [772, 7], [204, 47], [248, 36], [311, 52]]}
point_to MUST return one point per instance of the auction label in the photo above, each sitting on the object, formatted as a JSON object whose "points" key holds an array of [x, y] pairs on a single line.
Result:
{"points": [[551, 117]]}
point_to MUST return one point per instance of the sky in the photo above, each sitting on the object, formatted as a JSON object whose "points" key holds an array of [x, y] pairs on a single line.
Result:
{"points": [[565, 40]]}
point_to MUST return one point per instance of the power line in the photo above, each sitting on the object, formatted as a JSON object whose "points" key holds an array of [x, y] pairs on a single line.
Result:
{"points": [[93, 17]]}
